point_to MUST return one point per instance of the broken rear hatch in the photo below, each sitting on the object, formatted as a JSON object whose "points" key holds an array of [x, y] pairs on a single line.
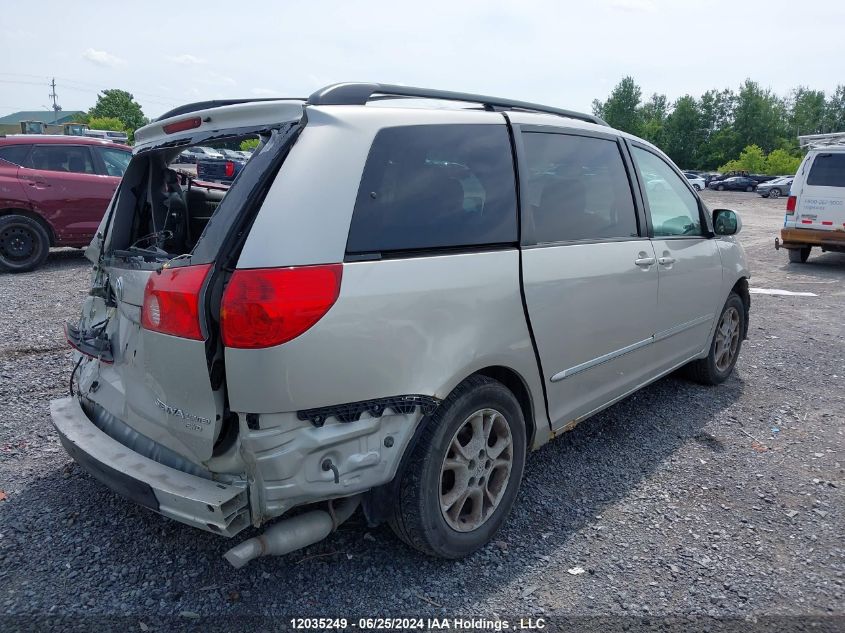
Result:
{"points": [[150, 357]]}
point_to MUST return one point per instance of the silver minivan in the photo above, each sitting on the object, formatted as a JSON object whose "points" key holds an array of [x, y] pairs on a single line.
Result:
{"points": [[401, 294]]}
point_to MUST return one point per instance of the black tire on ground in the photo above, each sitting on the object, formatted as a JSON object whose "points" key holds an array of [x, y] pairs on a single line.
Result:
{"points": [[708, 370], [799, 255], [749, 188], [417, 517], [24, 243], [721, 188], [696, 187], [774, 193]]}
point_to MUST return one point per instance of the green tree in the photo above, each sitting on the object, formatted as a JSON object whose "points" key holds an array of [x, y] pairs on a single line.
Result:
{"points": [[807, 115], [121, 105], [683, 133], [719, 140], [751, 159], [106, 123], [248, 144], [834, 111], [759, 117], [621, 110], [652, 115], [779, 162]]}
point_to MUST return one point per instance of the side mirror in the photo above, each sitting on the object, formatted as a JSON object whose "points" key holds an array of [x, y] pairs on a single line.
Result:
{"points": [[726, 222]]}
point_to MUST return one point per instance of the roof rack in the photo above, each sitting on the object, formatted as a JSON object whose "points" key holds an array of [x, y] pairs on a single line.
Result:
{"points": [[360, 93], [821, 140]]}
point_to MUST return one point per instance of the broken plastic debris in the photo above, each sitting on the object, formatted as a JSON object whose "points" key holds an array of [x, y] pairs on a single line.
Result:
{"points": [[575, 571]]}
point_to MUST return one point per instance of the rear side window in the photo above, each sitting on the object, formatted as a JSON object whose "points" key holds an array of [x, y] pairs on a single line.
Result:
{"points": [[828, 170], [577, 189], [67, 158], [15, 154], [435, 186], [115, 160]]}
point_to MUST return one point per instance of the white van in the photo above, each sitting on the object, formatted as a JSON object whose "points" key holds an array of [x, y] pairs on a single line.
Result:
{"points": [[815, 209]]}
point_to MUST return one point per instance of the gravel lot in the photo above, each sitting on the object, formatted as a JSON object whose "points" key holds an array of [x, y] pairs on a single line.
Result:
{"points": [[681, 499]]}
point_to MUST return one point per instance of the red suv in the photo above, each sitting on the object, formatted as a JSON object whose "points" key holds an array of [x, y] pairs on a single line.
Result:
{"points": [[53, 192]]}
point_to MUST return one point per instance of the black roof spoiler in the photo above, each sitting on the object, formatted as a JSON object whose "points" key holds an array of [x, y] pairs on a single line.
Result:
{"points": [[361, 93], [216, 103]]}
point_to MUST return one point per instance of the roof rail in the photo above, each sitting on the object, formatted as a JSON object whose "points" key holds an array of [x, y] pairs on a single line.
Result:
{"points": [[360, 93], [205, 105]]}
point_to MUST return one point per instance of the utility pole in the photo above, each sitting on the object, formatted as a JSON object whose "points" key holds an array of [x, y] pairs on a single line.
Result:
{"points": [[54, 96]]}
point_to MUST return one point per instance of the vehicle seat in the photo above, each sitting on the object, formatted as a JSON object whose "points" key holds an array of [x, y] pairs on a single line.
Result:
{"points": [[57, 161], [562, 212], [76, 164]]}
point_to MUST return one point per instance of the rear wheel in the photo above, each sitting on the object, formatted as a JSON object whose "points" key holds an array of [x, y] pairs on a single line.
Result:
{"points": [[749, 188], [799, 255], [464, 472], [24, 243], [720, 188], [774, 193], [724, 348]]}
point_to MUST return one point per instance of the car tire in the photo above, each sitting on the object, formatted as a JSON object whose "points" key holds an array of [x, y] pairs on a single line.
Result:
{"points": [[720, 188], [749, 188], [432, 511], [724, 347], [799, 255], [696, 187], [24, 243], [774, 193]]}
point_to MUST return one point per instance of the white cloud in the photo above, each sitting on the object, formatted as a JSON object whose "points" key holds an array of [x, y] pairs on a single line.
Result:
{"points": [[187, 60], [102, 58], [635, 6], [264, 92], [212, 78]]}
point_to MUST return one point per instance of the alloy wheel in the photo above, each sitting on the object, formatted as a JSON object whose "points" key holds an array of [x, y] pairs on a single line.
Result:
{"points": [[476, 470], [727, 339]]}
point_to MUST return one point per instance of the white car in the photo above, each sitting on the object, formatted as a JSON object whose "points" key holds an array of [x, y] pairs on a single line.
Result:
{"points": [[696, 181]]}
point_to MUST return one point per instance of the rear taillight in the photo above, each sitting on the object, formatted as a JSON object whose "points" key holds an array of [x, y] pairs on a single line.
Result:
{"points": [[263, 307], [171, 301], [181, 126], [790, 204], [230, 169]]}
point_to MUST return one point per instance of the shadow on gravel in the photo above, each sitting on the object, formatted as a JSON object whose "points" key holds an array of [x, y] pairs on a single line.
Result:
{"points": [[826, 265], [70, 542]]}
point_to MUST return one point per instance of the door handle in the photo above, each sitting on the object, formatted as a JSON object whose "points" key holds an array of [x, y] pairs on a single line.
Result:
{"points": [[644, 262], [666, 261]]}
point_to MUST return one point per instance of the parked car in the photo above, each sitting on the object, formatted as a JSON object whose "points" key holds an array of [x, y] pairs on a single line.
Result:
{"points": [[735, 183], [222, 170], [385, 325], [53, 192], [815, 209], [728, 174], [193, 154], [775, 188], [695, 180], [761, 178]]}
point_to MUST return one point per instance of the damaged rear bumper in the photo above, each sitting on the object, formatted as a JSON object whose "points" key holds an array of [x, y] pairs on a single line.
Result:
{"points": [[209, 505]]}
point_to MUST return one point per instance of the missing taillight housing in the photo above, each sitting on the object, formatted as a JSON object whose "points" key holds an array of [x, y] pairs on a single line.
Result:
{"points": [[171, 301], [264, 307], [181, 126], [790, 204]]}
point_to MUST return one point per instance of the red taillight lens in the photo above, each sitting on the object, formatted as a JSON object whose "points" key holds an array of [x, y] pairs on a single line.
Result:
{"points": [[230, 169], [181, 126], [171, 301], [790, 204], [263, 307]]}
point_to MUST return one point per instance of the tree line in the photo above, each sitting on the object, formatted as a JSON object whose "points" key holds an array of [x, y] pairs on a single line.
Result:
{"points": [[724, 129]]}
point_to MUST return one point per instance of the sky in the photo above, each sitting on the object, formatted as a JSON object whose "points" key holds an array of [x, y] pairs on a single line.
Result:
{"points": [[562, 53]]}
